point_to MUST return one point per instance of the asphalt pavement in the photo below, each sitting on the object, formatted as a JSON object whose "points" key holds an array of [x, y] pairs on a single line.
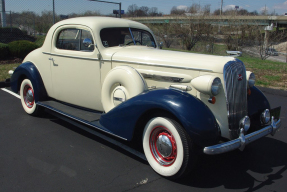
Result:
{"points": [[49, 154]]}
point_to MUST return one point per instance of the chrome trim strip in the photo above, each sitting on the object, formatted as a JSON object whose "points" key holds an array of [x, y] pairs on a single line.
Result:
{"points": [[161, 65], [243, 140], [77, 119], [162, 78], [70, 56]]}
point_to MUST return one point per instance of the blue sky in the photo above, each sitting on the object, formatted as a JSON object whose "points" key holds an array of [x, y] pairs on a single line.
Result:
{"points": [[69, 6]]}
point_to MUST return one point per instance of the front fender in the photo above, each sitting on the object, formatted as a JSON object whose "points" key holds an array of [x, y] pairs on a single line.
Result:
{"points": [[29, 70], [194, 115], [257, 103]]}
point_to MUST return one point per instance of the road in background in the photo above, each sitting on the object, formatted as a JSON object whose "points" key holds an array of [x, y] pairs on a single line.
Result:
{"points": [[48, 154]]}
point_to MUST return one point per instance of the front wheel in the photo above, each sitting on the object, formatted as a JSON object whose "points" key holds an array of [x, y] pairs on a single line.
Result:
{"points": [[28, 99], [168, 148]]}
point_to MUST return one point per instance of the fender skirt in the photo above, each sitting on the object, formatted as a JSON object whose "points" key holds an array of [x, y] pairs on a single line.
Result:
{"points": [[29, 70], [194, 115], [257, 103]]}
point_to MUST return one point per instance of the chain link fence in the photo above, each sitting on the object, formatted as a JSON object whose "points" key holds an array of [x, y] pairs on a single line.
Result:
{"points": [[28, 19]]}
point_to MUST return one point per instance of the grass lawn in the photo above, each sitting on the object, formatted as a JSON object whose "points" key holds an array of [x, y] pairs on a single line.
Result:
{"points": [[4, 68]]}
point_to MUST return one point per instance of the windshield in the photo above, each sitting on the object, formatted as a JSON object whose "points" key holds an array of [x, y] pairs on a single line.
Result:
{"points": [[111, 37]]}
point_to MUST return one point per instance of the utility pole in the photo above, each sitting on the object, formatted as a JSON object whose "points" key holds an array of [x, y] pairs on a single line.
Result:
{"points": [[3, 14], [221, 7], [53, 11]]}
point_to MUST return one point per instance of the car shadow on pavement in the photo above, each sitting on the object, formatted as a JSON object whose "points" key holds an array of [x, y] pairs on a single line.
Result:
{"points": [[97, 138], [260, 164]]}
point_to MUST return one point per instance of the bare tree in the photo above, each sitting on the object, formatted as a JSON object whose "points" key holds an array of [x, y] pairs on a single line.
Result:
{"points": [[132, 10], [154, 12], [194, 8], [206, 9], [175, 11], [165, 32], [192, 32]]}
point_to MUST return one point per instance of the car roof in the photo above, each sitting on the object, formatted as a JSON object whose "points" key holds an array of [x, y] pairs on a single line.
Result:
{"points": [[96, 23], [102, 22]]}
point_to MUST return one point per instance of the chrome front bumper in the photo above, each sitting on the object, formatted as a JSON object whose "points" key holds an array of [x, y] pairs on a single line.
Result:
{"points": [[243, 140]]}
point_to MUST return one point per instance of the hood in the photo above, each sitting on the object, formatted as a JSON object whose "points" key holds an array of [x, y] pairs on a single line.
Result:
{"points": [[173, 59]]}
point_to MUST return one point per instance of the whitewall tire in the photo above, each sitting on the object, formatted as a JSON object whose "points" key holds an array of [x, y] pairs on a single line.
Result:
{"points": [[28, 99], [121, 84], [168, 148]]}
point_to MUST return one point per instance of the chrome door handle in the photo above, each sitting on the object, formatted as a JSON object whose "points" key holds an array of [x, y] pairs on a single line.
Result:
{"points": [[51, 59]]}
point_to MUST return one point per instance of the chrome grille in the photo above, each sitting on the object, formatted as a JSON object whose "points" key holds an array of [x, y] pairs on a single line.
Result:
{"points": [[236, 95]]}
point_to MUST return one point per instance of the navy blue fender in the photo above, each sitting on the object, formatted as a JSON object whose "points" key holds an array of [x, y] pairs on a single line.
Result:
{"points": [[194, 115], [257, 103], [29, 70]]}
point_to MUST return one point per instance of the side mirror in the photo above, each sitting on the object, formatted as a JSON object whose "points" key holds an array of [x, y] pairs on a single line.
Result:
{"points": [[87, 42], [160, 45]]}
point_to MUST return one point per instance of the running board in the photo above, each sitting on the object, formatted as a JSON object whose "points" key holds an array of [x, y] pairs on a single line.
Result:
{"points": [[90, 118]]}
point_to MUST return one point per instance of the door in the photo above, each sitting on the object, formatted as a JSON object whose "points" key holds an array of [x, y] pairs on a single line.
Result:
{"points": [[76, 67]]}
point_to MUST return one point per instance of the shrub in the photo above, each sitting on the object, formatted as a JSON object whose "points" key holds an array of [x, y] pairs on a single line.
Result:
{"points": [[40, 40], [21, 48], [4, 51]]}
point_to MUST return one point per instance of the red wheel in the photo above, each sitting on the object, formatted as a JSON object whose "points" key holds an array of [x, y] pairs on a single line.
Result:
{"points": [[28, 98], [168, 147], [163, 146]]}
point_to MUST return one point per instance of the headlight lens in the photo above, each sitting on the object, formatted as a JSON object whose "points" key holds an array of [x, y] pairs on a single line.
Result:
{"points": [[216, 86], [251, 80]]}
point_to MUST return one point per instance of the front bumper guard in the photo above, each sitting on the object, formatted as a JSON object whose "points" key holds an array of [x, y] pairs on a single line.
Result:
{"points": [[243, 140]]}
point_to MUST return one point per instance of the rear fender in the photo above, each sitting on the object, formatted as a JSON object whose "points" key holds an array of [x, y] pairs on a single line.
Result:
{"points": [[28, 70], [194, 115]]}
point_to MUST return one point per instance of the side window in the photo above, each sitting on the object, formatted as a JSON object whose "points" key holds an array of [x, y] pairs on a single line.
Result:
{"points": [[86, 35], [72, 39], [143, 38]]}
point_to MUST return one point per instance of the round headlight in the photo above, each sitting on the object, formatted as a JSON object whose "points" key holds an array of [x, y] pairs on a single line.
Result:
{"points": [[265, 116], [251, 80], [216, 86], [245, 123]]}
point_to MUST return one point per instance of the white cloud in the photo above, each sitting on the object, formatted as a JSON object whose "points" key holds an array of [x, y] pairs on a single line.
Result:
{"points": [[281, 5], [183, 7], [228, 7]]}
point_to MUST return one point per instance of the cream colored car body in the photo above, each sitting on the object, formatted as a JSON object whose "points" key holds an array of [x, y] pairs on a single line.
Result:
{"points": [[76, 77]]}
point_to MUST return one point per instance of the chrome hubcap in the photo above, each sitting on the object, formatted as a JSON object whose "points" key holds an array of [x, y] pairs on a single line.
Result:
{"points": [[28, 96], [163, 146]]}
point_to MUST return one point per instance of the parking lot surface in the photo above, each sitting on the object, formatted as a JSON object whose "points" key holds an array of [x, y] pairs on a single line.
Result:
{"points": [[49, 154]]}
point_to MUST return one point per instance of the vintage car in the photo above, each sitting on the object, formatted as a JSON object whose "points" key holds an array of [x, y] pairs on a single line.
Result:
{"points": [[110, 74]]}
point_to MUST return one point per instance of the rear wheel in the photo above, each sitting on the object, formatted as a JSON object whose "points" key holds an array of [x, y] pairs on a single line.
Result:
{"points": [[28, 98], [168, 148]]}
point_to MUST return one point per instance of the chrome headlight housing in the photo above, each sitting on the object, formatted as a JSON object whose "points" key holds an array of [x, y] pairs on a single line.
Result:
{"points": [[207, 84], [265, 116], [245, 123], [250, 79]]}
